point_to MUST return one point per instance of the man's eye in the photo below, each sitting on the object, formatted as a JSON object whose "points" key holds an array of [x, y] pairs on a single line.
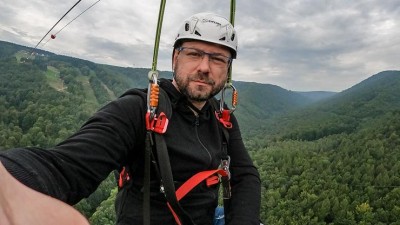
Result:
{"points": [[194, 54], [218, 59]]}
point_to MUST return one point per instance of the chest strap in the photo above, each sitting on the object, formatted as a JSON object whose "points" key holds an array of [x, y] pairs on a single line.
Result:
{"points": [[210, 176]]}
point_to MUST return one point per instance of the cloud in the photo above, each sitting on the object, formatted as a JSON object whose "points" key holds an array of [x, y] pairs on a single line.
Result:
{"points": [[299, 45]]}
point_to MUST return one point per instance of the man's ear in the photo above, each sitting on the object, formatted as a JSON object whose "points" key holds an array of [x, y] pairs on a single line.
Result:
{"points": [[174, 58]]}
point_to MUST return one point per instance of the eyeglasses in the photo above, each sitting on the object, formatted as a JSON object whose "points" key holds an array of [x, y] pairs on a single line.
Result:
{"points": [[197, 55]]}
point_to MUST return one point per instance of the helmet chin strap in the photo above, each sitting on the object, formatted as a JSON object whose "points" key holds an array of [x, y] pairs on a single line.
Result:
{"points": [[173, 75]]}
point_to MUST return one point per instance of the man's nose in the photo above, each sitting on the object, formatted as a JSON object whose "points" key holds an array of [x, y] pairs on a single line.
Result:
{"points": [[204, 65]]}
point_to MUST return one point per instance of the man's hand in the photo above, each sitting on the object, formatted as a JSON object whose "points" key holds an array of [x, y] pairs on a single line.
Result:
{"points": [[20, 205]]}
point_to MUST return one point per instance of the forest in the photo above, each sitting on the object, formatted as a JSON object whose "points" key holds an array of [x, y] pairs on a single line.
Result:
{"points": [[333, 159]]}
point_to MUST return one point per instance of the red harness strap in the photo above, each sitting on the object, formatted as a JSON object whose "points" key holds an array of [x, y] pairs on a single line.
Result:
{"points": [[196, 179], [124, 177], [224, 118]]}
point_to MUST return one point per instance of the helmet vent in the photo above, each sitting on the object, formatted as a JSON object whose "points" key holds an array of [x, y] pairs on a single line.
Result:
{"points": [[197, 33], [187, 27], [233, 37], [222, 39]]}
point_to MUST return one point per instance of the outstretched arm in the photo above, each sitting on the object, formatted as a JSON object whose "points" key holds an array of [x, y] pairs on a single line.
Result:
{"points": [[74, 168], [21, 205]]}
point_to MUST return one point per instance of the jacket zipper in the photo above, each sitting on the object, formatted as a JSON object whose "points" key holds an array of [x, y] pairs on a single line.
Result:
{"points": [[197, 123]]}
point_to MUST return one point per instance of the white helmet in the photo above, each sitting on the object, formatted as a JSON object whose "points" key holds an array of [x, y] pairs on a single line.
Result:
{"points": [[208, 27]]}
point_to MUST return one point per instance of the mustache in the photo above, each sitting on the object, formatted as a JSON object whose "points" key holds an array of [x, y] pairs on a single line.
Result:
{"points": [[202, 78]]}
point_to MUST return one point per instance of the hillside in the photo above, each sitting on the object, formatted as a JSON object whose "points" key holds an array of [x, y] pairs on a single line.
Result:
{"points": [[317, 95], [258, 103], [336, 161], [345, 112]]}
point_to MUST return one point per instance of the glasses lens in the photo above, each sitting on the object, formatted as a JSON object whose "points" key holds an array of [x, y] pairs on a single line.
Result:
{"points": [[219, 60], [192, 53], [197, 55]]}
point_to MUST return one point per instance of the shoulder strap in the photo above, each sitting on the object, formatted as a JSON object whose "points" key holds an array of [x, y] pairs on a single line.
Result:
{"points": [[155, 139], [181, 216], [222, 124]]}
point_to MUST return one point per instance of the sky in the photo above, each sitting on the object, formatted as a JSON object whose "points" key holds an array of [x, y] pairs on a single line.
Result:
{"points": [[299, 45]]}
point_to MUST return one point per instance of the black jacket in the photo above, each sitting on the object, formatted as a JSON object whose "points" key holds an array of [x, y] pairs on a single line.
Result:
{"points": [[114, 137]]}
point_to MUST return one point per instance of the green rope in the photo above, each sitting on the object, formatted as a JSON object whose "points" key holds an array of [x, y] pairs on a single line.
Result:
{"points": [[158, 34], [232, 20], [233, 10]]}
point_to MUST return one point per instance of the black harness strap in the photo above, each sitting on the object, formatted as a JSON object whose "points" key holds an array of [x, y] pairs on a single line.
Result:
{"points": [[155, 141], [146, 179], [226, 185], [225, 159], [167, 181]]}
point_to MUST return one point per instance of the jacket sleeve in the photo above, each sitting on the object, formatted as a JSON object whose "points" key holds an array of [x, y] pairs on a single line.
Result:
{"points": [[74, 168], [244, 205]]}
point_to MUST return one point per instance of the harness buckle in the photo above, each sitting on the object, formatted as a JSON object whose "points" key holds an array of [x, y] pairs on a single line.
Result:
{"points": [[225, 179], [123, 177], [224, 117], [225, 163], [158, 123]]}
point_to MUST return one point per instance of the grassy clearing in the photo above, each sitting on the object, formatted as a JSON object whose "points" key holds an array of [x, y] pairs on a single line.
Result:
{"points": [[89, 93], [21, 54], [53, 79]]}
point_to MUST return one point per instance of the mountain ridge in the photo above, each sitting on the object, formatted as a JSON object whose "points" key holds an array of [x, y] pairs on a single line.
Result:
{"points": [[259, 104]]}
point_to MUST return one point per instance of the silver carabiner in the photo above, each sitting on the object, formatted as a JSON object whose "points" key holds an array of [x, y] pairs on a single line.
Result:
{"points": [[234, 98], [153, 80]]}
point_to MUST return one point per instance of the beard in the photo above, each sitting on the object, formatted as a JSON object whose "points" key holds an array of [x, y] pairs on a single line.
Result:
{"points": [[195, 92]]}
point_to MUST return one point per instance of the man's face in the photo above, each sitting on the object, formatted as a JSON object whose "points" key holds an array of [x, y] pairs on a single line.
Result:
{"points": [[200, 76]]}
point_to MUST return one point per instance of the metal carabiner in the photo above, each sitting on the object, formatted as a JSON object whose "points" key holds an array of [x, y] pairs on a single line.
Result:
{"points": [[152, 93], [234, 101]]}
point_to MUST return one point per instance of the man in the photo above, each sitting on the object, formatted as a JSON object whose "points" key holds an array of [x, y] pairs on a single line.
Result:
{"points": [[115, 137]]}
